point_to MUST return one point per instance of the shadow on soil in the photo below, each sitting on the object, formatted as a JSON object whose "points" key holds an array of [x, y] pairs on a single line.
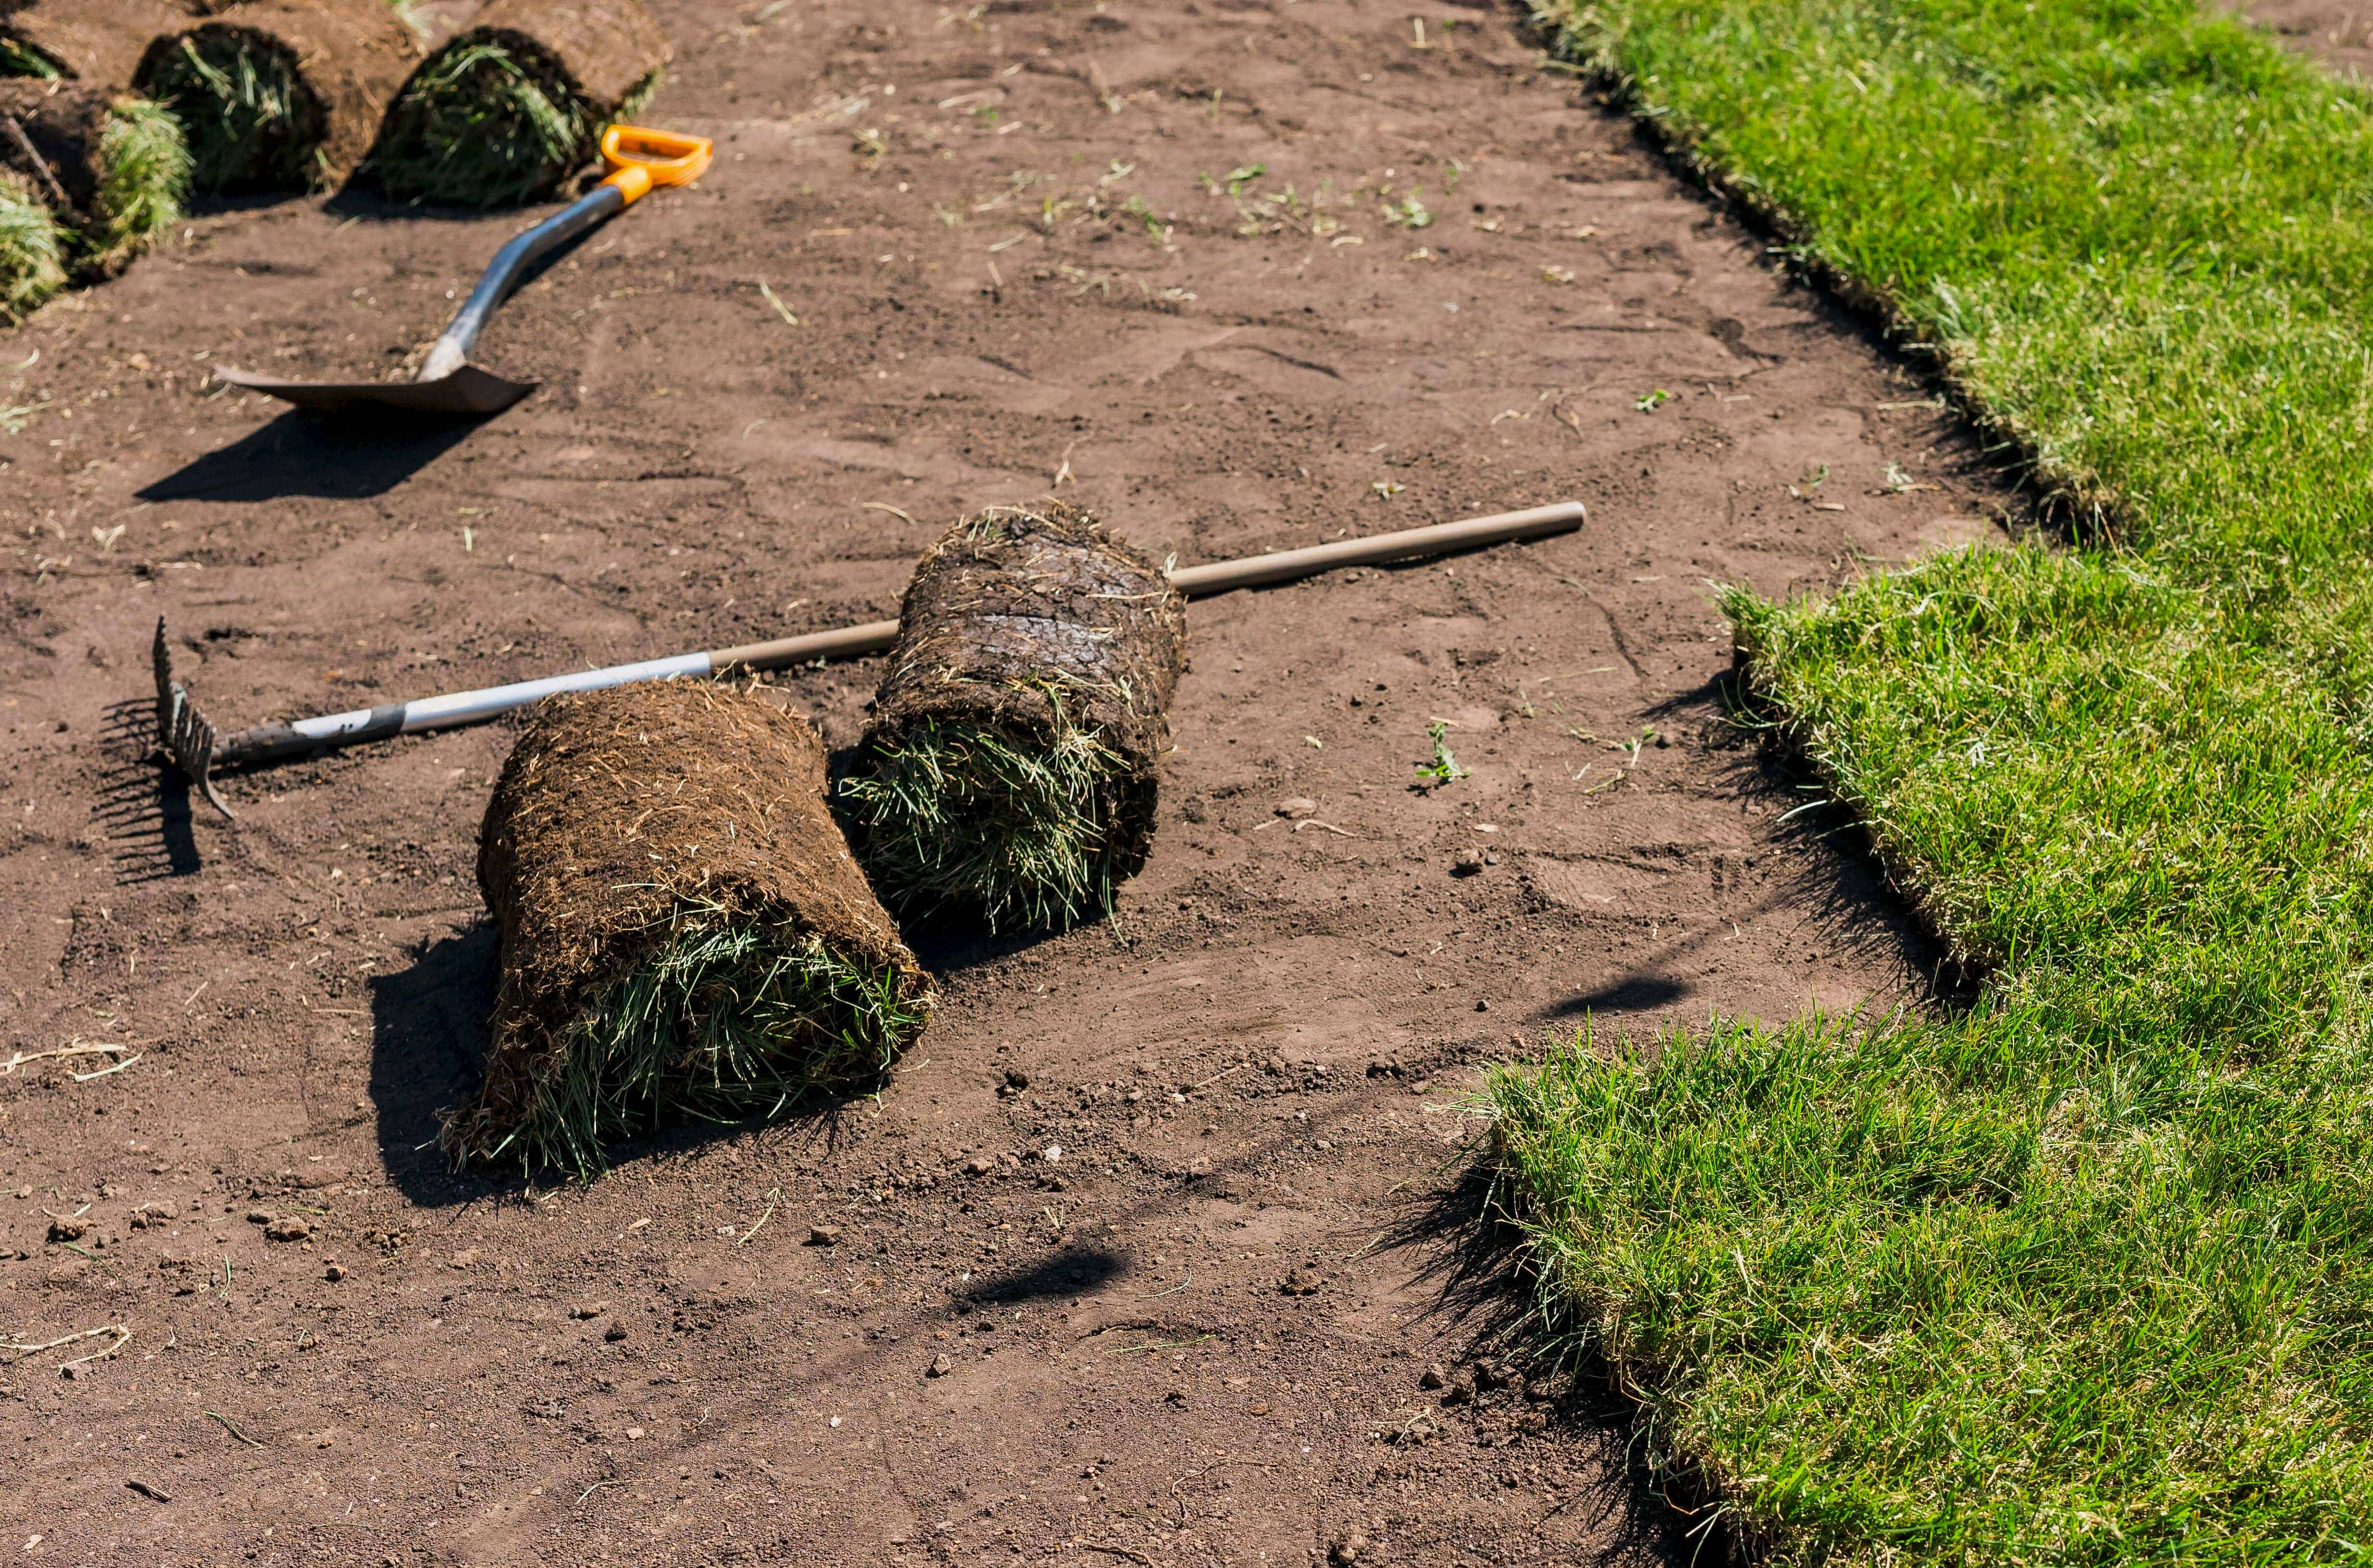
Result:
{"points": [[429, 1028], [1835, 873], [143, 809], [1511, 1377], [304, 454]]}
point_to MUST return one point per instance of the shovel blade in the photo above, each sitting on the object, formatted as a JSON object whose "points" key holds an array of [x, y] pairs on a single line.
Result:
{"points": [[464, 392]]}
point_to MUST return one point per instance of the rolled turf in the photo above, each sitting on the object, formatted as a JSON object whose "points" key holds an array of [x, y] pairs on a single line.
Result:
{"points": [[97, 41], [684, 935], [1009, 775], [32, 249], [109, 168], [281, 95], [513, 105]]}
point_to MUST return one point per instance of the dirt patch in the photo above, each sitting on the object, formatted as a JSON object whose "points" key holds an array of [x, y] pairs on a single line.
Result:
{"points": [[1211, 1312], [2340, 35]]}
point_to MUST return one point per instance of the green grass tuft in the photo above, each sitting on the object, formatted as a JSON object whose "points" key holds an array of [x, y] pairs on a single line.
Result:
{"points": [[251, 123], [144, 169], [32, 250], [727, 1020], [18, 58], [2084, 1276], [959, 820], [479, 127]]}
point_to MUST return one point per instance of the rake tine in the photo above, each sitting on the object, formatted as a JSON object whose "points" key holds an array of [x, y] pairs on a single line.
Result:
{"points": [[183, 732]]}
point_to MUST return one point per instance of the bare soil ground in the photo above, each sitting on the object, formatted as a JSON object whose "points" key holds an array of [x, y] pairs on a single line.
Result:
{"points": [[2338, 32], [948, 257]]}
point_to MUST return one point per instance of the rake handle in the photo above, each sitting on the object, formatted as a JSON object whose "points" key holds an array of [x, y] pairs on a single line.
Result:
{"points": [[270, 742]]}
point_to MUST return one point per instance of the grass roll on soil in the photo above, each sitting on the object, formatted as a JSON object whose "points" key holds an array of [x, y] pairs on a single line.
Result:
{"points": [[1011, 770], [515, 103], [109, 167], [281, 95], [2084, 1275], [685, 934], [33, 247], [99, 43]]}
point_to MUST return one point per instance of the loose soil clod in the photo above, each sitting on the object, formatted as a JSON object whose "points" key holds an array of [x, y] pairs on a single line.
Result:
{"points": [[685, 934], [281, 94], [504, 113], [1010, 771]]}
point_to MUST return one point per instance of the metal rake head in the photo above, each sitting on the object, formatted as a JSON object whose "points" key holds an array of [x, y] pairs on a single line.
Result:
{"points": [[183, 732]]}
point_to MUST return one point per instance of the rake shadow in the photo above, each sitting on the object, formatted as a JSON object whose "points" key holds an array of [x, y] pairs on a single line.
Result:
{"points": [[142, 808]]}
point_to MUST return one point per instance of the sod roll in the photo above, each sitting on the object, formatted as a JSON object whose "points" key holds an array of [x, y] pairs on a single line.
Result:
{"points": [[33, 247], [97, 41], [110, 167], [684, 935], [1009, 773], [515, 103], [281, 95]]}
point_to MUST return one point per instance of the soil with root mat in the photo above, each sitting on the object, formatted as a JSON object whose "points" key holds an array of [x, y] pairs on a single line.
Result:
{"points": [[99, 42], [1144, 1254]]}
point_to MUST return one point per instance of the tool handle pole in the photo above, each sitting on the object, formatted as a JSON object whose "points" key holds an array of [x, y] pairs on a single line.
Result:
{"points": [[1202, 582], [266, 741], [1443, 539], [502, 274]]}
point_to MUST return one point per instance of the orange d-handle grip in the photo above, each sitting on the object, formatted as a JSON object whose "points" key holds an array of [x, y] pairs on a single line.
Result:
{"points": [[641, 158]]}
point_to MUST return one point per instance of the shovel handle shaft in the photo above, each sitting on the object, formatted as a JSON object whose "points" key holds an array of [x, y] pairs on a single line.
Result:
{"points": [[502, 274]]}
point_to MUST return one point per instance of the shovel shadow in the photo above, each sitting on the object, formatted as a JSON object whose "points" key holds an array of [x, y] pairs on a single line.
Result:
{"points": [[308, 455]]}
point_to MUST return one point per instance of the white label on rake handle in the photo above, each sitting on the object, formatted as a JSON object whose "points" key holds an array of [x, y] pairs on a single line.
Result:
{"points": [[468, 707]]}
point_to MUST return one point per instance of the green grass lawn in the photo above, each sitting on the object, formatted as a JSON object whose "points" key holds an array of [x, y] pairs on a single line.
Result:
{"points": [[2086, 1276]]}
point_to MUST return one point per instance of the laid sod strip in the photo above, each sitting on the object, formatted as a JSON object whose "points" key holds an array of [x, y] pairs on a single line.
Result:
{"points": [[32, 249], [684, 935], [111, 168], [2082, 1277], [281, 95], [1011, 770], [507, 109]]}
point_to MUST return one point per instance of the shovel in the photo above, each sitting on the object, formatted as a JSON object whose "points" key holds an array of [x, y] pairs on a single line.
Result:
{"points": [[448, 382]]}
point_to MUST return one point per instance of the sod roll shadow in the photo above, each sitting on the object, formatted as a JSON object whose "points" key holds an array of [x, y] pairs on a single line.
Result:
{"points": [[97, 41], [108, 168], [515, 103], [1009, 773], [684, 935], [281, 95]]}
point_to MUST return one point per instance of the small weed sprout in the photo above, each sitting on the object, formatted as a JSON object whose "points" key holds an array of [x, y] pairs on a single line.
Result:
{"points": [[1653, 401], [1443, 769], [1409, 212]]}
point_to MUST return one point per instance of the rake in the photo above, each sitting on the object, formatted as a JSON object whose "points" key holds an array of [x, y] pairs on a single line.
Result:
{"points": [[198, 750]]}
